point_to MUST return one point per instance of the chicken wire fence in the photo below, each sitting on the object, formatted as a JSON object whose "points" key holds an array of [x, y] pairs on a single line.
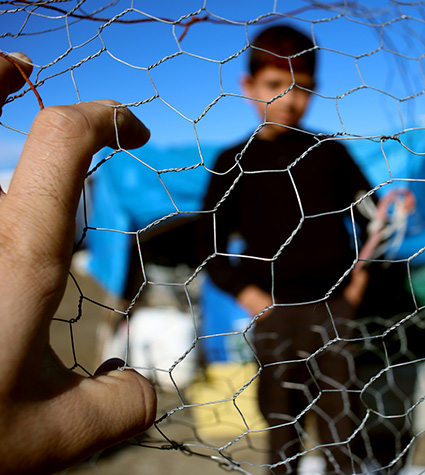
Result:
{"points": [[177, 66]]}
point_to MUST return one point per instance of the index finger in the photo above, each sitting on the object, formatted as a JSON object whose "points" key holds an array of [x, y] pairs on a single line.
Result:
{"points": [[11, 79], [48, 180]]}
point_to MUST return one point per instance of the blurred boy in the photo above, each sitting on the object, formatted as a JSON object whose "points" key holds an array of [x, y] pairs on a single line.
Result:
{"points": [[286, 195]]}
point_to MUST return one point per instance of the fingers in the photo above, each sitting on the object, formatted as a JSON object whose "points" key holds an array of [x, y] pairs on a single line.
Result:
{"points": [[11, 80], [49, 177], [112, 408], [125, 406], [89, 416], [109, 365], [38, 213]]}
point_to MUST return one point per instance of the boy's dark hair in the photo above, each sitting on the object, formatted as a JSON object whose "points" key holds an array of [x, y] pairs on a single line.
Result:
{"points": [[273, 46]]}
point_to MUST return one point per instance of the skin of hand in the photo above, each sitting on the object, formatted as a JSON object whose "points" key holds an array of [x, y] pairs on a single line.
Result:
{"points": [[51, 417], [356, 289], [255, 300]]}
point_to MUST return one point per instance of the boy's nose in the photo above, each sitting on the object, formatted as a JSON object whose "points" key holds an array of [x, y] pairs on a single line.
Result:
{"points": [[288, 98]]}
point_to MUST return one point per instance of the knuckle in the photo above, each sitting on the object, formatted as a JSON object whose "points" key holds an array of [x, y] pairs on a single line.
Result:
{"points": [[63, 122]]}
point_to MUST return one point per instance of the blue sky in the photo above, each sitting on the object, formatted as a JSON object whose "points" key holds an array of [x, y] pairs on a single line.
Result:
{"points": [[77, 61]]}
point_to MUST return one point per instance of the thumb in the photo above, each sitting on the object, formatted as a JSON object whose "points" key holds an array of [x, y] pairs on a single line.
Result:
{"points": [[84, 417], [125, 403], [106, 409]]}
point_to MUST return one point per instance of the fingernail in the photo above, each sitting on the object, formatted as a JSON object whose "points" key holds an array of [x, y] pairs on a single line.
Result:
{"points": [[109, 365], [19, 55]]}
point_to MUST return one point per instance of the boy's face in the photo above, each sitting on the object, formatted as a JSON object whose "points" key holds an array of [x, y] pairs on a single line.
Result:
{"points": [[288, 109]]}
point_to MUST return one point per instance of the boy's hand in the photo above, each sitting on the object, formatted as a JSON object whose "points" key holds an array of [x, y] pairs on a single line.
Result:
{"points": [[50, 417], [255, 300], [356, 289]]}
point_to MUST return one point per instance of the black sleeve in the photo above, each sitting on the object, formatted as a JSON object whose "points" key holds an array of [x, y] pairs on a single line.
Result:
{"points": [[356, 187], [219, 221]]}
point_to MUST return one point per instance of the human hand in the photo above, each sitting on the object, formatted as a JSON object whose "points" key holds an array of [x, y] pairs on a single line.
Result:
{"points": [[355, 290], [255, 300], [50, 416]]}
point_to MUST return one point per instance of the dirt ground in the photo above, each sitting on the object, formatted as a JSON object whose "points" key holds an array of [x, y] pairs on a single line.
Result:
{"points": [[159, 451]]}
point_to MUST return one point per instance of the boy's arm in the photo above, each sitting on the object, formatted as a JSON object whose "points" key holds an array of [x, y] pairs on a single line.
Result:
{"points": [[355, 290], [358, 184], [216, 224]]}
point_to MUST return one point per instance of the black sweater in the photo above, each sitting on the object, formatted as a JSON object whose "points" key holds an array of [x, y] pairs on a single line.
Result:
{"points": [[289, 201]]}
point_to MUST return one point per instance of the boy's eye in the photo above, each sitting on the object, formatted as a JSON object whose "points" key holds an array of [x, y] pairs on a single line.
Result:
{"points": [[277, 85]]}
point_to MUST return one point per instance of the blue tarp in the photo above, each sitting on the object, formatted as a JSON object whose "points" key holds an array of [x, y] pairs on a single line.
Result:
{"points": [[398, 160], [129, 194]]}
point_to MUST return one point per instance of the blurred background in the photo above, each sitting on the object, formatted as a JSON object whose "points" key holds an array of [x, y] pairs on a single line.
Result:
{"points": [[178, 67]]}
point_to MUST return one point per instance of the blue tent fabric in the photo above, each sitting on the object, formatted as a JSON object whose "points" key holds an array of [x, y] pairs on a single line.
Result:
{"points": [[131, 192], [395, 155], [225, 320]]}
